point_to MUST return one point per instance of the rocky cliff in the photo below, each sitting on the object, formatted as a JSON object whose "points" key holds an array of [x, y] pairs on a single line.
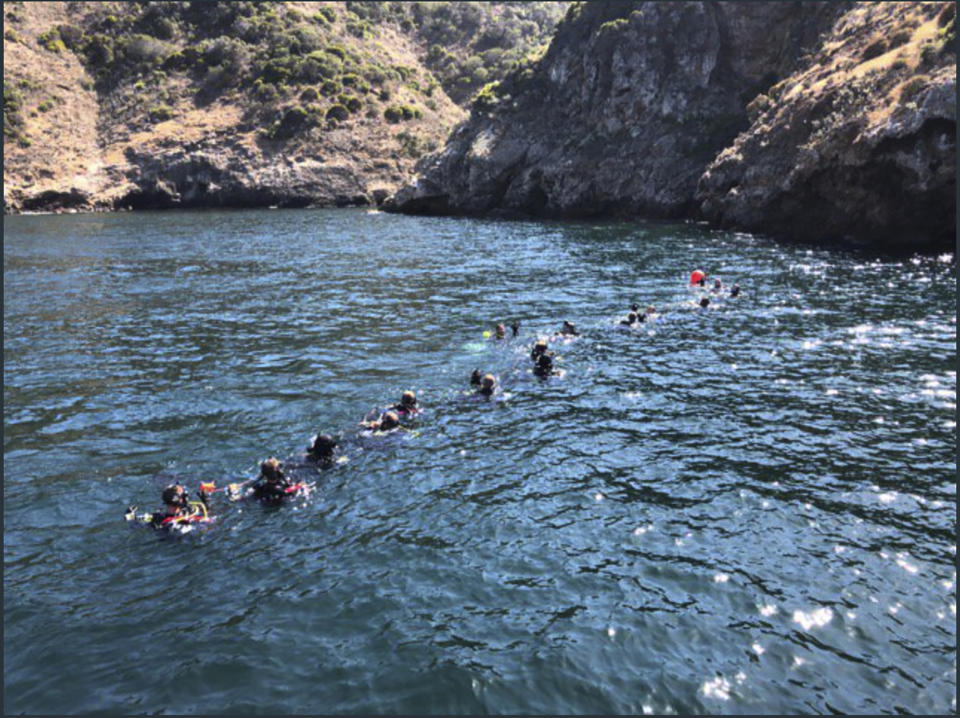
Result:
{"points": [[858, 143], [765, 116]]}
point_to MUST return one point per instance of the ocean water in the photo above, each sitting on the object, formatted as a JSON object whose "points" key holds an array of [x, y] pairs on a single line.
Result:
{"points": [[744, 509]]}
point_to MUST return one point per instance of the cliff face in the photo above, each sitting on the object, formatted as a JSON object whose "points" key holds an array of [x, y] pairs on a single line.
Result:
{"points": [[622, 114], [636, 110], [859, 143]]}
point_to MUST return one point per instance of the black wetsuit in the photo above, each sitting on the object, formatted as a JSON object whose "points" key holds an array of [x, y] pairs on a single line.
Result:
{"points": [[267, 491]]}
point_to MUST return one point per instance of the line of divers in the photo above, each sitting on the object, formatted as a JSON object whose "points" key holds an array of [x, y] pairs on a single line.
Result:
{"points": [[273, 486]]}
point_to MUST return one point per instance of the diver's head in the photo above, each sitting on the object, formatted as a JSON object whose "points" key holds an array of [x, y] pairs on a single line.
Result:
{"points": [[501, 331], [717, 284], [515, 328], [270, 470], [475, 376], [488, 382], [651, 309], [641, 317], [735, 291], [540, 347], [569, 328], [634, 307], [408, 400], [323, 445], [705, 302], [174, 496]]}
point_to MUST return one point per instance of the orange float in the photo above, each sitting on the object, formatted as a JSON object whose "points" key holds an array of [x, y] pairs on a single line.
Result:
{"points": [[697, 276]]}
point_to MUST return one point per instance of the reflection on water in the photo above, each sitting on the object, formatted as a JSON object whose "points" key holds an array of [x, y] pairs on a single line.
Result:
{"points": [[750, 508]]}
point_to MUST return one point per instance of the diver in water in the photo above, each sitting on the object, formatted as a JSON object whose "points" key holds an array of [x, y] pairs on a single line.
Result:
{"points": [[544, 366], [272, 484], [500, 332], [176, 509], [635, 308], [717, 285], [515, 328], [735, 291], [322, 449], [476, 377], [704, 302], [539, 348], [488, 385], [407, 406], [569, 329], [629, 321], [388, 421]]}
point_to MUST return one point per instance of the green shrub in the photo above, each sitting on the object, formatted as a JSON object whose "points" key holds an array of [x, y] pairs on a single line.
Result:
{"points": [[350, 79], [487, 97], [316, 67], [144, 50], [338, 112], [45, 106], [309, 95], [139, 86], [305, 40], [359, 28], [11, 35], [12, 104], [275, 71], [294, 120], [184, 59], [329, 87], [50, 40], [328, 14], [374, 74], [337, 51], [99, 51], [160, 113], [72, 36], [392, 114], [265, 92], [352, 103]]}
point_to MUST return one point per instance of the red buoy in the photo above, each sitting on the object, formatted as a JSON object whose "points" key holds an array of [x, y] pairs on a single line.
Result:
{"points": [[697, 276]]}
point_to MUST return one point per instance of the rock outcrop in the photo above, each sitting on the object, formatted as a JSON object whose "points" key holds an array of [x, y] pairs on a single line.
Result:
{"points": [[771, 117], [622, 114], [859, 144]]}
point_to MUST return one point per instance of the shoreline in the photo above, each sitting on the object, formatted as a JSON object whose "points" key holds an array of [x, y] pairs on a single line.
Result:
{"points": [[927, 248]]}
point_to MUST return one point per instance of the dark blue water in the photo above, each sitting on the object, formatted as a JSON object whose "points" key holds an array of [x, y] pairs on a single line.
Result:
{"points": [[746, 509]]}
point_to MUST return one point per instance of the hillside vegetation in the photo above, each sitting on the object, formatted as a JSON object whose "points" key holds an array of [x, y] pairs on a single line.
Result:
{"points": [[165, 103]]}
